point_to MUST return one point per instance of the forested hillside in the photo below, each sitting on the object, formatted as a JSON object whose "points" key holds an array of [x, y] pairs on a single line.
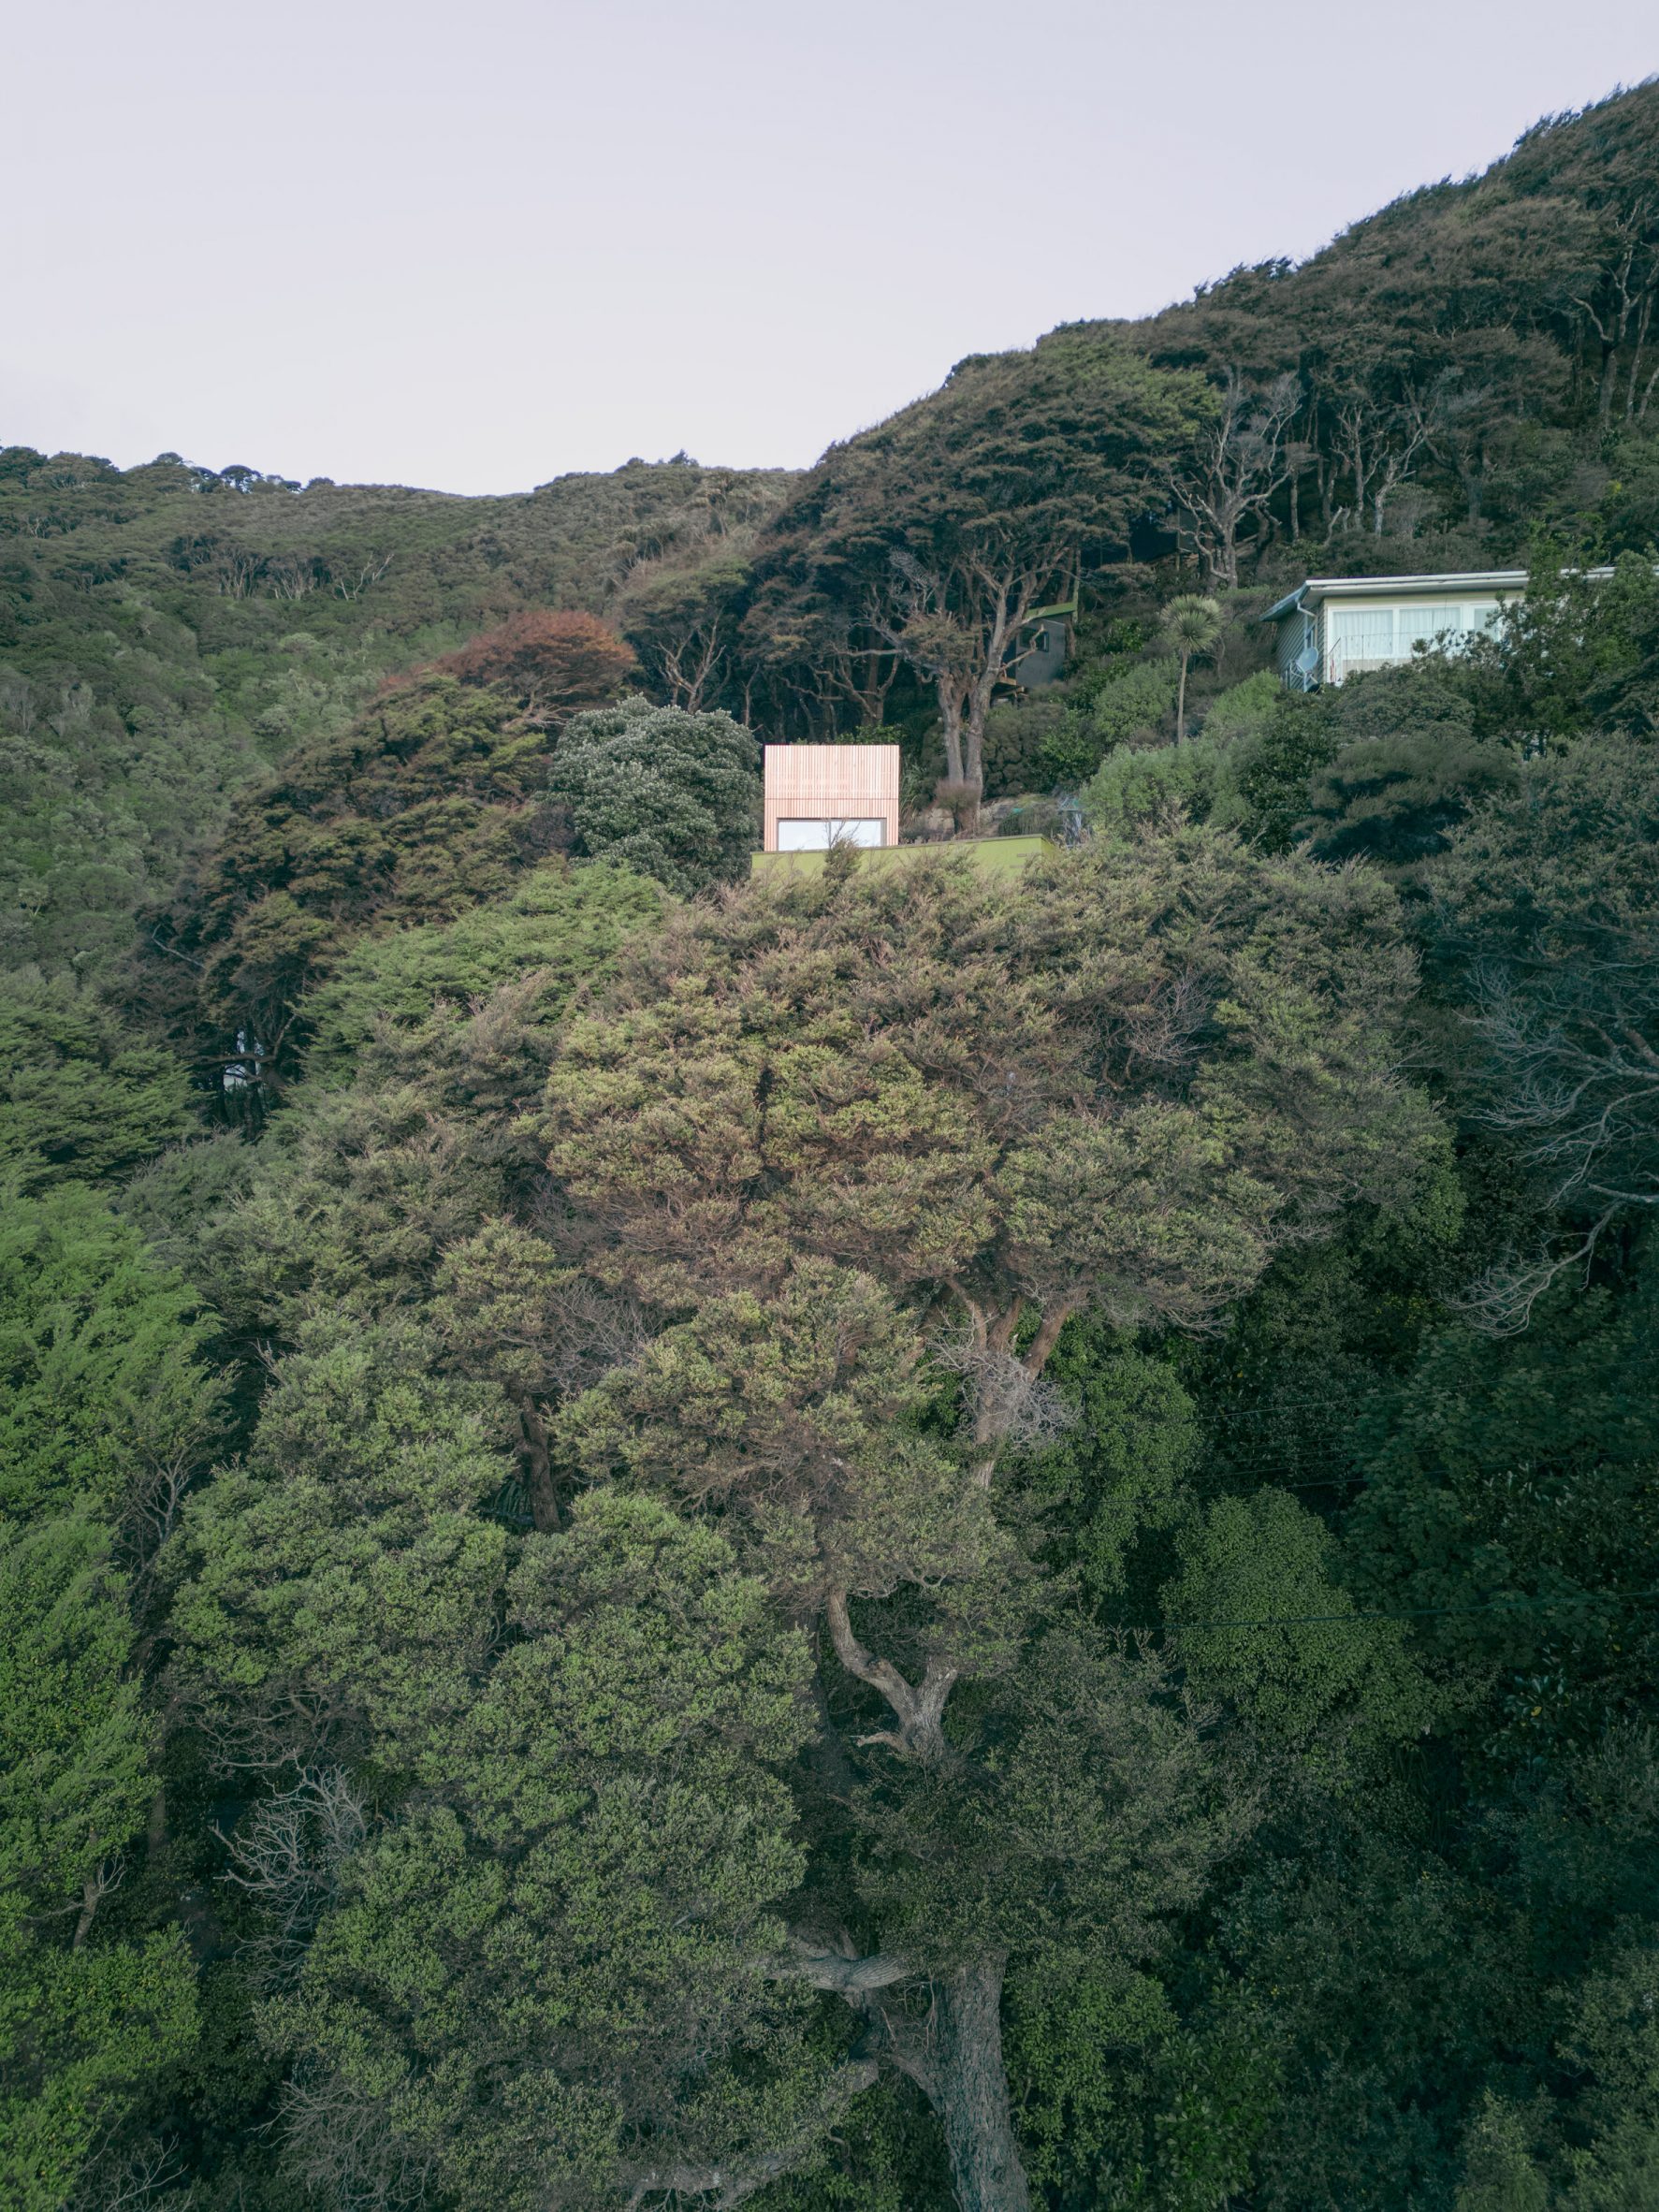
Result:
{"points": [[925, 1540], [169, 634]]}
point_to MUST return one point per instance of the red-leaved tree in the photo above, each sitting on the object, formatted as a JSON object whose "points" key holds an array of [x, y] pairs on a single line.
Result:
{"points": [[556, 660]]}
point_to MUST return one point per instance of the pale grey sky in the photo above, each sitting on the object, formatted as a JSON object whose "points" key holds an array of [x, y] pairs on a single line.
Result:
{"points": [[474, 245]]}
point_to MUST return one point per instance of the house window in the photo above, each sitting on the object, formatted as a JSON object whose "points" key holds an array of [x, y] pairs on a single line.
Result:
{"points": [[818, 837], [1426, 622], [1361, 637]]}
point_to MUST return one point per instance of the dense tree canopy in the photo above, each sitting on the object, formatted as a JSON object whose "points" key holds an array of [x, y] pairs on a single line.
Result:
{"points": [[924, 1538]]}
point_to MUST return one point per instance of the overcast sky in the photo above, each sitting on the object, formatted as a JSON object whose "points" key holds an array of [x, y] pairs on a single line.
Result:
{"points": [[475, 244]]}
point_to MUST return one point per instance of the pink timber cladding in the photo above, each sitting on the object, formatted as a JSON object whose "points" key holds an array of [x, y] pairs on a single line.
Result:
{"points": [[831, 783]]}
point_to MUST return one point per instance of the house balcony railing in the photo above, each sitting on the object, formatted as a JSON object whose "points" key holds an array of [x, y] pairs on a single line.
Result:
{"points": [[1342, 662]]}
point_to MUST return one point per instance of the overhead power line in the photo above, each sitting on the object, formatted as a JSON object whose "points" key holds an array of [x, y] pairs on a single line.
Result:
{"points": [[1495, 1605]]}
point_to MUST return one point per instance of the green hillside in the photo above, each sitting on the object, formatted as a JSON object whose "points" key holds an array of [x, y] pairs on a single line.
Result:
{"points": [[976, 1536], [168, 634]]}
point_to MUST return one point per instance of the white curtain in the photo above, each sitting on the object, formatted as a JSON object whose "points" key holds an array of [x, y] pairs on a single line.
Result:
{"points": [[1360, 635], [1426, 622]]}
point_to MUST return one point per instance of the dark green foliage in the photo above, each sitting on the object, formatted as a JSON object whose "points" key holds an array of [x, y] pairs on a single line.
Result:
{"points": [[1369, 1961], [610, 1843], [166, 634], [1037, 744], [1383, 768], [1405, 769], [1121, 1467], [1549, 922], [1578, 649], [878, 1544], [427, 806], [1509, 1472], [668, 793]]}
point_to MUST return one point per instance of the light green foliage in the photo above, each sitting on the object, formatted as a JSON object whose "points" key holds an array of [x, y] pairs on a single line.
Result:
{"points": [[78, 1098], [84, 2036], [668, 793], [361, 1186], [560, 925], [352, 1200], [553, 1976], [1323, 1674], [802, 1414], [1499, 2174], [1190, 626], [1243, 708], [888, 1141], [83, 2027], [338, 1591], [111, 774], [173, 1200], [73, 1778], [1132, 705], [1124, 2103], [1134, 790], [1612, 2042], [106, 1397]]}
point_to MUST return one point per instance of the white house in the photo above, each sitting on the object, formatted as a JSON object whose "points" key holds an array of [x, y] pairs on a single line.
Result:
{"points": [[1332, 627]]}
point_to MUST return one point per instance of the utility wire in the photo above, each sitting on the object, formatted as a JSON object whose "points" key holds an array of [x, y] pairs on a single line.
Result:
{"points": [[1495, 1605]]}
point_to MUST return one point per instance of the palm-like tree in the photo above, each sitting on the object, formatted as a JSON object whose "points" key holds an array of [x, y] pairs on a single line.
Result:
{"points": [[1190, 625]]}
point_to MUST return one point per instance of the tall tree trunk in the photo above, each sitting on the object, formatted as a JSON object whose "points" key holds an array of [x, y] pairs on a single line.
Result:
{"points": [[1181, 704], [957, 2064], [546, 1511], [950, 715], [954, 2056]]}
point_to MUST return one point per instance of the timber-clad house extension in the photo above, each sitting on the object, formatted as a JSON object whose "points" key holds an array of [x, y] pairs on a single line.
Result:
{"points": [[820, 795]]}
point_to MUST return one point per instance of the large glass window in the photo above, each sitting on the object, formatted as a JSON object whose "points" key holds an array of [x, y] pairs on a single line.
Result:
{"points": [[1360, 637], [818, 837], [1426, 622]]}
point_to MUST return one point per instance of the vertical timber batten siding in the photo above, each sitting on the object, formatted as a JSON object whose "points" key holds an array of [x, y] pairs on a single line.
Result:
{"points": [[831, 783]]}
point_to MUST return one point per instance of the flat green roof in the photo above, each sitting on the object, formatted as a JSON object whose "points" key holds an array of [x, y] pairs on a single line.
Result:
{"points": [[998, 856]]}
